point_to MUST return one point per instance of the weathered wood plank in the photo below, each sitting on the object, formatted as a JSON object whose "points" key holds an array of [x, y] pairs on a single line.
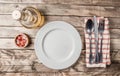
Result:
{"points": [[50, 74], [59, 1], [41, 68], [115, 56], [25, 68], [18, 57], [26, 61], [104, 73], [7, 21], [63, 9], [58, 74], [114, 68], [82, 2], [12, 32], [8, 31], [13, 57], [31, 74], [114, 43], [28, 57], [21, 57], [85, 2], [49, 1], [9, 1]]}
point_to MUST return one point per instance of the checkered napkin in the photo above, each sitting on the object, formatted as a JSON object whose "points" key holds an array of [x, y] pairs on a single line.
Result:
{"points": [[105, 44]]}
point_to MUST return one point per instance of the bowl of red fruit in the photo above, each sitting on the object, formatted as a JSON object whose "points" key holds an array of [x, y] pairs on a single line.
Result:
{"points": [[22, 40]]}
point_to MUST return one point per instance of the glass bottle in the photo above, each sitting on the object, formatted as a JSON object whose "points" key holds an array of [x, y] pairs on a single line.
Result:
{"points": [[29, 17]]}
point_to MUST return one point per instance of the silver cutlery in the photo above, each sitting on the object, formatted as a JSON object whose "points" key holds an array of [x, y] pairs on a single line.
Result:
{"points": [[96, 40], [101, 30], [89, 30]]}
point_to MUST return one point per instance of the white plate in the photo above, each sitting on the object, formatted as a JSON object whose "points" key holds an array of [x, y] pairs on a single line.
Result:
{"points": [[58, 45]]}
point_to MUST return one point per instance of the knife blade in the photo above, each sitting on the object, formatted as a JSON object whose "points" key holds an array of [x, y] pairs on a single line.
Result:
{"points": [[96, 28], [96, 39]]}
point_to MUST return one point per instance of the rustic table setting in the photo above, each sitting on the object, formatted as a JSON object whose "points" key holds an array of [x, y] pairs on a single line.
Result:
{"points": [[15, 61]]}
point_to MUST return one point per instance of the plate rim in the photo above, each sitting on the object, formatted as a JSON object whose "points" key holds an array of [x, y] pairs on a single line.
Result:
{"points": [[43, 59]]}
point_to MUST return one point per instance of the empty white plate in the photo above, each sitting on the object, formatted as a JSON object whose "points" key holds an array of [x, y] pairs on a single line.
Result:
{"points": [[58, 45]]}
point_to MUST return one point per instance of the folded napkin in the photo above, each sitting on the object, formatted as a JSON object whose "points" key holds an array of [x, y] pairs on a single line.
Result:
{"points": [[105, 44]]}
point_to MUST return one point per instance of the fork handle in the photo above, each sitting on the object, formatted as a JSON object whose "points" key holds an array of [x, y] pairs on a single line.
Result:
{"points": [[101, 55]]}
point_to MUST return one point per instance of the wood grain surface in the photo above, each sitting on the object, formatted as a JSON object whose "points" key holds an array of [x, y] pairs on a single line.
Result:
{"points": [[16, 61]]}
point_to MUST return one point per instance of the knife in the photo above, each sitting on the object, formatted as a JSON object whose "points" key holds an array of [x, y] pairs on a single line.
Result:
{"points": [[96, 39]]}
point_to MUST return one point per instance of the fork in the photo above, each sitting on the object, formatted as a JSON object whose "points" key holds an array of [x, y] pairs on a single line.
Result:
{"points": [[100, 31]]}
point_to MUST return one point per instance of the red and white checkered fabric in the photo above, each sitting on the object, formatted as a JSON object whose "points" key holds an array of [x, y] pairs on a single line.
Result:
{"points": [[105, 44]]}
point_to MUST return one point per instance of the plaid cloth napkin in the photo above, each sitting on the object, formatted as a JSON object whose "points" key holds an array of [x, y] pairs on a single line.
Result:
{"points": [[105, 44]]}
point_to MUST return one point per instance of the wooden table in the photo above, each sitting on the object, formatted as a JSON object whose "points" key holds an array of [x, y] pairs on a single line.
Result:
{"points": [[15, 61]]}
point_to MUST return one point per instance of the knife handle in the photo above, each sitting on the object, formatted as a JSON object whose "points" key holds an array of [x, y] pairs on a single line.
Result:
{"points": [[97, 54]]}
